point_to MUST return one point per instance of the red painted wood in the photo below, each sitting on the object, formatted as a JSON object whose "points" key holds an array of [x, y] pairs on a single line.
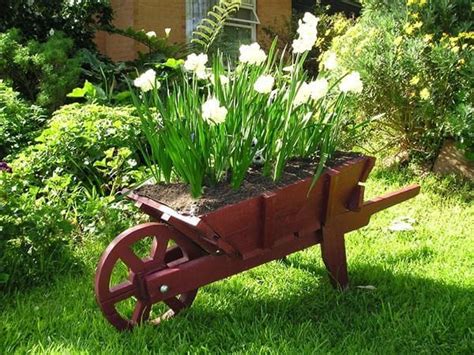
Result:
{"points": [[238, 237]]}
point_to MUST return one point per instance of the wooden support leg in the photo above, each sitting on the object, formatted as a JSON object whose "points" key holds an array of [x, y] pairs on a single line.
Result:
{"points": [[333, 250]]}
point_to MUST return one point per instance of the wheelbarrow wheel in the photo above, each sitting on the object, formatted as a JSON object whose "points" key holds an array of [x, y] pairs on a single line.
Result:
{"points": [[167, 248]]}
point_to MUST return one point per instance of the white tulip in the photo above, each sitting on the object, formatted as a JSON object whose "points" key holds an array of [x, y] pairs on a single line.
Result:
{"points": [[303, 95], [224, 79], [151, 34], [252, 54], [167, 31], [308, 33], [213, 112], [197, 64], [147, 81], [264, 84], [318, 88], [352, 83], [330, 63], [310, 19]]}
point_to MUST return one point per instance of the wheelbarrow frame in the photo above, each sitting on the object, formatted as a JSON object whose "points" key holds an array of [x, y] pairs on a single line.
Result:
{"points": [[250, 233]]}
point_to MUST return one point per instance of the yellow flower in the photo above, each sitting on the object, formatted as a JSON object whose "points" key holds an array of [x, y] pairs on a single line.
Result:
{"points": [[415, 80], [423, 2], [461, 61], [425, 94], [428, 38], [411, 2], [408, 29], [417, 24], [455, 49], [398, 40]]}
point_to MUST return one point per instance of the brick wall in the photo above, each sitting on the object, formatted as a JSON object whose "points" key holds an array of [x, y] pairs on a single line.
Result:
{"points": [[156, 15]]}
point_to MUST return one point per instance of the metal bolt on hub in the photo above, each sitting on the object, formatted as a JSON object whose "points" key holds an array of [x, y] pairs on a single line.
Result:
{"points": [[164, 288]]}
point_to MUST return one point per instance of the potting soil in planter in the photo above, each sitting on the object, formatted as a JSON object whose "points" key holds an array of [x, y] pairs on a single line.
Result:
{"points": [[178, 197]]}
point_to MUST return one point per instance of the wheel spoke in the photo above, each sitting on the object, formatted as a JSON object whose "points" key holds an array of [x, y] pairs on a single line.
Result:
{"points": [[131, 260], [121, 292], [141, 312], [175, 304], [158, 248]]}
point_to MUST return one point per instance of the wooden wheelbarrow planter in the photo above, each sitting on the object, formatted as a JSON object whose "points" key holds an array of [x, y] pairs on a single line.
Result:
{"points": [[236, 238]]}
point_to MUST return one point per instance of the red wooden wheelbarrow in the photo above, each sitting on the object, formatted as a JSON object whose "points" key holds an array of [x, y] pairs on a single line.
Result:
{"points": [[190, 252]]}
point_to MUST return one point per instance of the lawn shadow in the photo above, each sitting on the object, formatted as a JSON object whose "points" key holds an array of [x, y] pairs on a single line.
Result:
{"points": [[404, 313]]}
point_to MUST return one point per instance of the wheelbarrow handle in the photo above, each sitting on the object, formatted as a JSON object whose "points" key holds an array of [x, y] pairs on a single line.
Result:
{"points": [[380, 203]]}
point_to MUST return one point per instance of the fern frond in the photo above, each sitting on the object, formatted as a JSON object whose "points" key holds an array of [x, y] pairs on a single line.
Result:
{"points": [[211, 26]]}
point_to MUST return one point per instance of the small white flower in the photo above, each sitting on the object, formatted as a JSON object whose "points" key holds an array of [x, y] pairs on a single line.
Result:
{"points": [[319, 88], [151, 34], [330, 63], [51, 32], [264, 84], [132, 163], [224, 80], [197, 64], [167, 31], [147, 81], [309, 18], [352, 83], [213, 112], [303, 95], [289, 69], [252, 54], [308, 34]]}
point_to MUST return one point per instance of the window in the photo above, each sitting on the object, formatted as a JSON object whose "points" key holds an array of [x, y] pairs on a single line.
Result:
{"points": [[241, 28]]}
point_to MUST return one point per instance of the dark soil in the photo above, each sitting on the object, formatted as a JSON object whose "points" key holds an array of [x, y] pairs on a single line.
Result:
{"points": [[178, 197]]}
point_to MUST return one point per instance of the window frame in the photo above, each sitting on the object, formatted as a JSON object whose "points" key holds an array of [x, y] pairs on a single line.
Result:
{"points": [[232, 22]]}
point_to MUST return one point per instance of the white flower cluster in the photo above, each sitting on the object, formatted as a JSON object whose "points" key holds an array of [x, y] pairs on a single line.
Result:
{"points": [[213, 112], [147, 81], [196, 63], [330, 63], [314, 90], [352, 83], [252, 54], [264, 84], [308, 33]]}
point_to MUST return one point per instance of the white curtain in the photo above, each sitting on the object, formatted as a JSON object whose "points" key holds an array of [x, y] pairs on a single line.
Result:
{"points": [[196, 10]]}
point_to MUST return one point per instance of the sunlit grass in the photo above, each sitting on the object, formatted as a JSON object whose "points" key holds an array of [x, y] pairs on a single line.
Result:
{"points": [[422, 303]]}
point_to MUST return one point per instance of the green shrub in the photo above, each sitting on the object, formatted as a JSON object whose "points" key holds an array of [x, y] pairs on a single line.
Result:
{"points": [[34, 241], [92, 143], [36, 19], [42, 72], [18, 121], [417, 71]]}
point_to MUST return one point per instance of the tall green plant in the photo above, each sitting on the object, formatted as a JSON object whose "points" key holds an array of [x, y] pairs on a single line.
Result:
{"points": [[214, 123]]}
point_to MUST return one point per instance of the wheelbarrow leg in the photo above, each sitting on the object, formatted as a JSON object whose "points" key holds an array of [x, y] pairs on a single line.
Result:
{"points": [[333, 251]]}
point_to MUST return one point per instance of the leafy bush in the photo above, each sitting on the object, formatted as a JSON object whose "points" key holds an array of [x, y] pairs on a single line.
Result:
{"points": [[33, 234], [417, 65], [18, 121], [41, 72], [91, 143], [37, 18]]}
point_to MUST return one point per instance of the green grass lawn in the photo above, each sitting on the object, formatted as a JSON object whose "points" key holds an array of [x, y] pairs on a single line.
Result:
{"points": [[422, 303]]}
